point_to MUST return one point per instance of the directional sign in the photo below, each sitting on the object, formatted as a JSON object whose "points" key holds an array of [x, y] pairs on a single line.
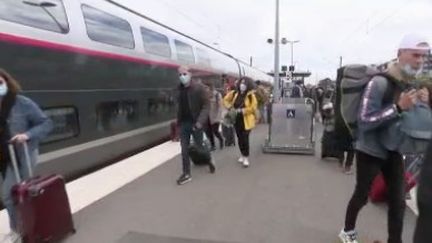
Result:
{"points": [[291, 113]]}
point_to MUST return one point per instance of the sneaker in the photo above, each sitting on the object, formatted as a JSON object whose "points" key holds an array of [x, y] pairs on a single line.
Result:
{"points": [[245, 162], [183, 179], [12, 237], [348, 237], [241, 159], [212, 166]]}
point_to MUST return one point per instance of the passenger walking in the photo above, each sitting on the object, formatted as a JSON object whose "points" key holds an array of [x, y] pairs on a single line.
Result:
{"points": [[21, 121], [192, 116], [297, 90], [215, 116], [243, 103], [262, 100], [375, 114]]}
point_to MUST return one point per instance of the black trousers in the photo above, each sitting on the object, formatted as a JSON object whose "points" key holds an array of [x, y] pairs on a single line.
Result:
{"points": [[349, 158], [368, 167], [242, 135], [211, 131]]}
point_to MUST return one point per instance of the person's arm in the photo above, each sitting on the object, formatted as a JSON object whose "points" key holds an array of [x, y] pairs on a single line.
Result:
{"points": [[205, 108], [40, 124], [372, 112]]}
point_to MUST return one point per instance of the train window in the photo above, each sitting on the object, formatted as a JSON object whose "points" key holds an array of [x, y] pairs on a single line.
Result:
{"points": [[43, 15], [155, 43], [107, 28], [65, 121], [116, 115], [184, 52], [203, 57]]}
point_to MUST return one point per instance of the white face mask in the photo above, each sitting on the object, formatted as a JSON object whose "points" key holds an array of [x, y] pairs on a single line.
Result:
{"points": [[243, 87], [185, 79], [409, 71], [3, 89]]}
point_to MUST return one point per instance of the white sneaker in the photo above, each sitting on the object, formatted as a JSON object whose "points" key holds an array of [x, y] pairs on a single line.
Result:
{"points": [[11, 237], [241, 159], [348, 237], [245, 162]]}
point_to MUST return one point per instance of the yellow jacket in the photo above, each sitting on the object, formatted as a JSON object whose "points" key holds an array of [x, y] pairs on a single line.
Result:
{"points": [[249, 112]]}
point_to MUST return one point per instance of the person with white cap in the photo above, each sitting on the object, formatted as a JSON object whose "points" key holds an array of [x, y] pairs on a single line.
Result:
{"points": [[376, 113]]}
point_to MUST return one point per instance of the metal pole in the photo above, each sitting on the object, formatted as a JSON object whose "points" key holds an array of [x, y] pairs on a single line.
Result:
{"points": [[276, 92], [276, 60], [292, 53]]}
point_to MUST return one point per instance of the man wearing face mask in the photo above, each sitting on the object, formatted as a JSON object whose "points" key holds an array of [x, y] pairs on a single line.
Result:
{"points": [[376, 114], [193, 112]]}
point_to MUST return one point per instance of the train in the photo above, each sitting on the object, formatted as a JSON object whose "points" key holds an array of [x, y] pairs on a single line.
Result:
{"points": [[105, 74]]}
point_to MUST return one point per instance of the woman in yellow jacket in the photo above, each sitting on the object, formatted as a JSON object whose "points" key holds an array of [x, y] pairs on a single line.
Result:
{"points": [[242, 104]]}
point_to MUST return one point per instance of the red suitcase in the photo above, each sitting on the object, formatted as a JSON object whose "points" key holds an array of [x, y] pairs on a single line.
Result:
{"points": [[42, 205], [378, 191]]}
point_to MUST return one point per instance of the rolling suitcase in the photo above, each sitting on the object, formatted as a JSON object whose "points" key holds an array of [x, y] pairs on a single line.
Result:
{"points": [[42, 205], [329, 146], [378, 191], [228, 134]]}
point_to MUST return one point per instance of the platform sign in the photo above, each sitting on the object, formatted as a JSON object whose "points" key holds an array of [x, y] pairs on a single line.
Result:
{"points": [[291, 113]]}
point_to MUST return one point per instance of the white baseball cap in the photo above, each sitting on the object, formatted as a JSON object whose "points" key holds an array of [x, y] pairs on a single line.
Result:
{"points": [[414, 42]]}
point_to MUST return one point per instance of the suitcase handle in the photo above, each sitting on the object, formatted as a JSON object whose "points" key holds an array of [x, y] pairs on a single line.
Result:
{"points": [[14, 160]]}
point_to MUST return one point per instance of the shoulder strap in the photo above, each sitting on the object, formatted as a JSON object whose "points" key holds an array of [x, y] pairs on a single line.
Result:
{"points": [[392, 92]]}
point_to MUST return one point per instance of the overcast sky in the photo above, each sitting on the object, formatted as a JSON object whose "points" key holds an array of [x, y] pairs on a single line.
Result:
{"points": [[366, 31]]}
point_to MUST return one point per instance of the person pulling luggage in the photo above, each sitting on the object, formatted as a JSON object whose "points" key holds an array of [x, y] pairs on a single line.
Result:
{"points": [[21, 121], [192, 116]]}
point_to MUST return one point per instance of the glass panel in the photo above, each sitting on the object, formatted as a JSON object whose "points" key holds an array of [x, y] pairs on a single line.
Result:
{"points": [[107, 28], [155, 43], [50, 17], [184, 52], [65, 121]]}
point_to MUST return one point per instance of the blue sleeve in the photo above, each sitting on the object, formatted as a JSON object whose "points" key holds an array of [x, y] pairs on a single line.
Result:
{"points": [[40, 124], [373, 113]]}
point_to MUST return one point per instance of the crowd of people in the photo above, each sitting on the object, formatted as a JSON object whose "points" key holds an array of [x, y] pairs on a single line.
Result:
{"points": [[206, 113], [374, 148], [205, 110]]}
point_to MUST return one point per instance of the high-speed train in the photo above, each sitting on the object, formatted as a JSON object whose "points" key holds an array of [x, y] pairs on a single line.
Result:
{"points": [[105, 74]]}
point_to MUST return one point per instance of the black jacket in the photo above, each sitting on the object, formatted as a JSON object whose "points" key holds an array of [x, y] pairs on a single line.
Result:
{"points": [[423, 232], [199, 103]]}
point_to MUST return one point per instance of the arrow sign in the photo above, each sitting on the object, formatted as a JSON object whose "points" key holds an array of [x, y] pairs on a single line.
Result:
{"points": [[290, 113]]}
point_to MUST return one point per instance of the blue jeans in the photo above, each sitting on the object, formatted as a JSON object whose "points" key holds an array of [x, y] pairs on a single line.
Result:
{"points": [[186, 130], [9, 181]]}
